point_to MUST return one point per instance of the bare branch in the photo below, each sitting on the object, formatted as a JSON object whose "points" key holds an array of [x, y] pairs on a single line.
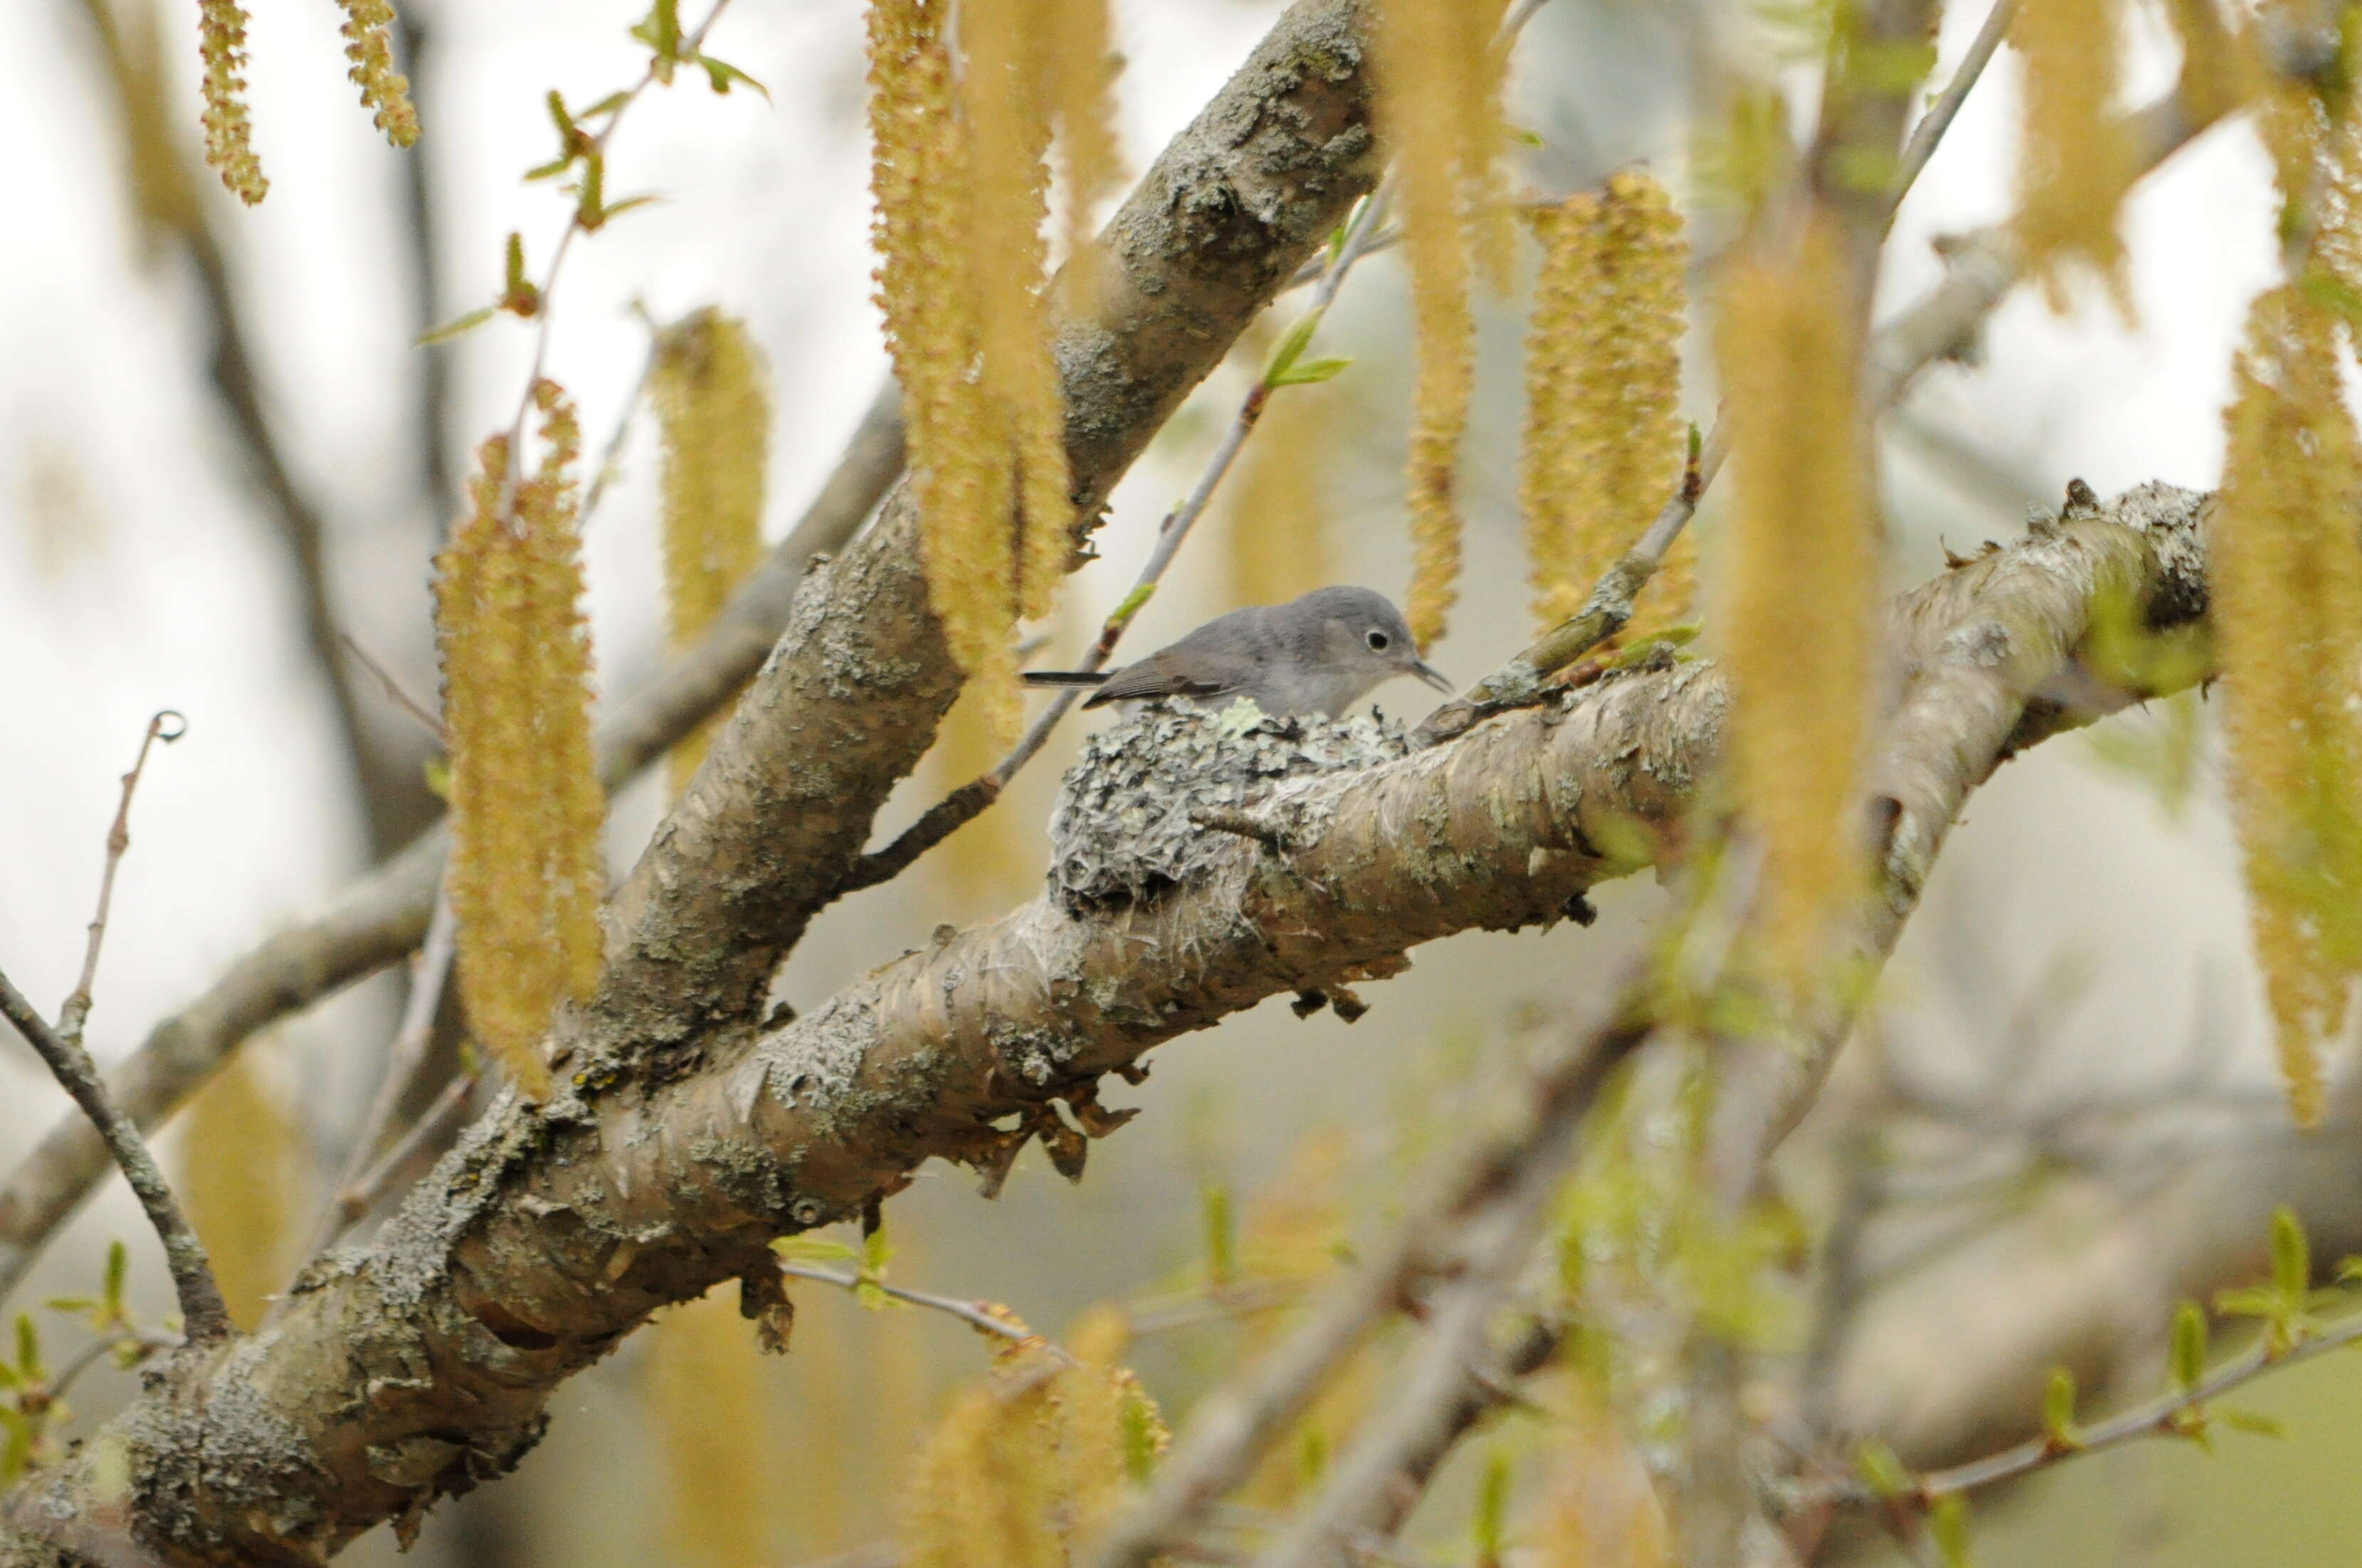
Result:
{"points": [[974, 1314], [203, 1311], [352, 1196], [166, 726], [1929, 131], [1363, 1492], [1231, 1428]]}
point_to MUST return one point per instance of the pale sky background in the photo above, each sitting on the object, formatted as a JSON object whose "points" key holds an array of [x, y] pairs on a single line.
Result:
{"points": [[136, 573]]}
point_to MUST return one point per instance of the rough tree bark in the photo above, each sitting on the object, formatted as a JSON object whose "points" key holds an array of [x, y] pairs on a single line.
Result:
{"points": [[424, 1365]]}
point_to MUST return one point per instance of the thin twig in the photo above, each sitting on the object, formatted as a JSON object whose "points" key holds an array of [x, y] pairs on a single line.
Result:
{"points": [[440, 1117], [1231, 1428], [352, 1196], [1929, 131], [64, 1381], [974, 1314], [1434, 1383], [658, 69], [611, 454], [166, 726], [2167, 1416], [954, 812], [203, 1311], [394, 690], [1163, 1315]]}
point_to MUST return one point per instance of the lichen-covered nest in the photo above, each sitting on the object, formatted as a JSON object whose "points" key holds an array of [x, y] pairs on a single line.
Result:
{"points": [[1122, 832]]}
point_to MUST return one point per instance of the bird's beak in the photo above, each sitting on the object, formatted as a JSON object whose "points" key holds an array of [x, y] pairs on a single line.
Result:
{"points": [[1432, 676]]}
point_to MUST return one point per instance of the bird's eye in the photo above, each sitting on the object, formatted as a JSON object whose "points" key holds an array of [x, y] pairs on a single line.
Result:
{"points": [[1379, 640]]}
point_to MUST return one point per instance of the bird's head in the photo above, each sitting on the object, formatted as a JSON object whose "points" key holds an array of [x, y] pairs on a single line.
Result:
{"points": [[1360, 635]]}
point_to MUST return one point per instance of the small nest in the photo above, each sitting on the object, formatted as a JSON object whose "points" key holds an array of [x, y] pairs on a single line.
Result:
{"points": [[1121, 831]]}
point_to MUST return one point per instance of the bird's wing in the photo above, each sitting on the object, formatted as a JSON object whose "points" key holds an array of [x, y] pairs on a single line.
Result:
{"points": [[1158, 675]]}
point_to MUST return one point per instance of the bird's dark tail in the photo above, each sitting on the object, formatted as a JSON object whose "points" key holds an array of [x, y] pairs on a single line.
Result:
{"points": [[1066, 678]]}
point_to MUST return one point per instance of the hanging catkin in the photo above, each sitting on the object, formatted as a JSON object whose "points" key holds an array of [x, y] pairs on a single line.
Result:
{"points": [[1438, 77], [1798, 575], [961, 178], [708, 391], [527, 873], [1604, 435], [2285, 576]]}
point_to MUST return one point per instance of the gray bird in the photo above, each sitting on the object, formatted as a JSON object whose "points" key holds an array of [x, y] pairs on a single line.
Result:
{"points": [[1320, 653]]}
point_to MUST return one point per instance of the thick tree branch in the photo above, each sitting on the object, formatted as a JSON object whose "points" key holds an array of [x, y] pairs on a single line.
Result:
{"points": [[423, 1365], [861, 675], [377, 919]]}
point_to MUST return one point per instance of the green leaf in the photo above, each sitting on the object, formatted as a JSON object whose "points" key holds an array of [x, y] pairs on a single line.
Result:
{"points": [[616, 209], [9, 1381], [1492, 1508], [118, 1268], [513, 264], [2189, 1346], [439, 778], [1121, 616], [1290, 349], [812, 1249], [458, 326], [2349, 1271], [2254, 1422], [2058, 1411], [1880, 1471], [1221, 1235], [1309, 373], [16, 1454], [28, 1350], [549, 171], [606, 106], [1947, 1526], [722, 73], [875, 1253], [660, 30], [2292, 1257]]}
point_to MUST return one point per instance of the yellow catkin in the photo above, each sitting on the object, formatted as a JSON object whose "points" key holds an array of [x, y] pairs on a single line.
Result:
{"points": [[241, 1167], [1603, 433], [708, 391], [526, 810], [960, 184], [984, 1491], [2076, 157], [704, 1403], [1438, 78], [1083, 60], [2285, 575], [1032, 1460], [1797, 576], [229, 134], [369, 25], [1279, 514], [1006, 100]]}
